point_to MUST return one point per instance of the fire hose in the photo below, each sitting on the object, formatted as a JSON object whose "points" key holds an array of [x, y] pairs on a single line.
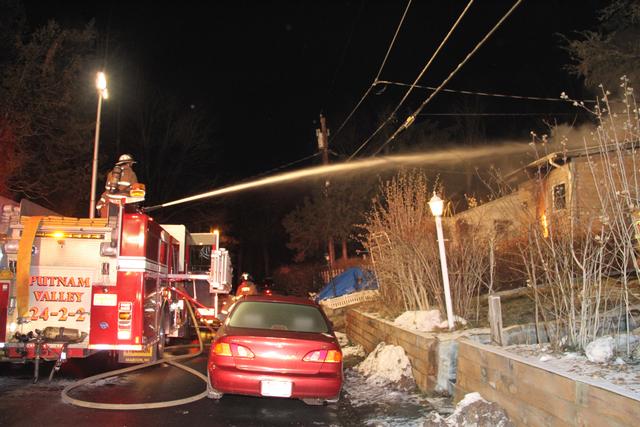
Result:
{"points": [[174, 361]]}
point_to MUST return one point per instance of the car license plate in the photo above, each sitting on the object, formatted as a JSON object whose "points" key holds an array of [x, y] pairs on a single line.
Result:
{"points": [[276, 388]]}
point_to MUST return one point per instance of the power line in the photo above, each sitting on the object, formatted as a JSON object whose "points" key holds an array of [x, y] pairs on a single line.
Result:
{"points": [[375, 79], [410, 119], [424, 69], [344, 50], [469, 92], [276, 169], [530, 114]]}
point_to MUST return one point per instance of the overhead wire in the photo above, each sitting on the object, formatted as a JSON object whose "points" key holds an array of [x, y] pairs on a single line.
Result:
{"points": [[345, 49], [424, 70], [375, 79], [529, 114], [469, 92], [411, 118], [278, 168]]}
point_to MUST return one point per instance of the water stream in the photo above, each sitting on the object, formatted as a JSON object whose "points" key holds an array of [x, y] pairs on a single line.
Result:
{"points": [[436, 158]]}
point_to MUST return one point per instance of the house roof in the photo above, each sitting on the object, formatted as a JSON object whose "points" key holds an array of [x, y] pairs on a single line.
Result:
{"points": [[563, 157]]}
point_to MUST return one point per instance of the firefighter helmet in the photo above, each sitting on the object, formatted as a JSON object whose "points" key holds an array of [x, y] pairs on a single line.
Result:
{"points": [[125, 158]]}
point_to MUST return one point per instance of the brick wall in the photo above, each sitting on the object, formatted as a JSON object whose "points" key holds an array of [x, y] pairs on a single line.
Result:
{"points": [[533, 395]]}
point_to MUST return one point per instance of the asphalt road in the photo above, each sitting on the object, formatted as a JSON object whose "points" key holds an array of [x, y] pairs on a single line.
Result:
{"points": [[23, 403]]}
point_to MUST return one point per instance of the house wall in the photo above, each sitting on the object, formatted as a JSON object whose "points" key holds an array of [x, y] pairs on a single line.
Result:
{"points": [[587, 201], [534, 197], [515, 208]]}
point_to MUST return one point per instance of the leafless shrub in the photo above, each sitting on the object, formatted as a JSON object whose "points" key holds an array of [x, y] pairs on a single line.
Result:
{"points": [[400, 236], [580, 261]]}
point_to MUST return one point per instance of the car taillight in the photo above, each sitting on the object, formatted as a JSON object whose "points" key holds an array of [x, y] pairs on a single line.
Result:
{"points": [[331, 356], [224, 349], [242, 351]]}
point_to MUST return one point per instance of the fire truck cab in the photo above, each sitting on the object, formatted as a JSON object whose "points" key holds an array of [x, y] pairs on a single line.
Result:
{"points": [[72, 286]]}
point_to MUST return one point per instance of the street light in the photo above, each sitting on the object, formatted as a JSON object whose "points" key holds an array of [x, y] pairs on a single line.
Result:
{"points": [[436, 204], [103, 93]]}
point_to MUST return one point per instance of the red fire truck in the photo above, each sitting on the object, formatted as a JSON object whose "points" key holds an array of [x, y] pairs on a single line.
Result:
{"points": [[72, 286]]}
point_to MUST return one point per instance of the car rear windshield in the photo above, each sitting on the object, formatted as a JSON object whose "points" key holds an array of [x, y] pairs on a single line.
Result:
{"points": [[278, 316]]}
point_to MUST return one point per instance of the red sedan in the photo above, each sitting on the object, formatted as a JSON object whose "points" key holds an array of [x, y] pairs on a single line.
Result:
{"points": [[276, 346]]}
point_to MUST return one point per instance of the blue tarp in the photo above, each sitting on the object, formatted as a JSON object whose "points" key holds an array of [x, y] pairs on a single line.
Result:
{"points": [[352, 280]]}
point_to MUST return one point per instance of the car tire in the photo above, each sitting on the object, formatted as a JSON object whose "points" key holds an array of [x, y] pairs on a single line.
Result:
{"points": [[212, 393]]}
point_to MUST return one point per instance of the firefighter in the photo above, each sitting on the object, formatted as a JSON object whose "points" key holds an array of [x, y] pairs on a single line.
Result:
{"points": [[119, 181], [246, 286]]}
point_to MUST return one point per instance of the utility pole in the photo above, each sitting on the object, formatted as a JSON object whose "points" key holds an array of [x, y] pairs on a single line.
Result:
{"points": [[323, 146]]}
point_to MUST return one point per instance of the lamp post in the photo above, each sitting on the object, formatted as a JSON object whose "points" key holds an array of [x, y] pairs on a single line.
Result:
{"points": [[103, 93], [436, 204]]}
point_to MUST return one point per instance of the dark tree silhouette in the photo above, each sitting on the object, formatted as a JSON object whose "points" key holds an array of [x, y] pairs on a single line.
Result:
{"points": [[47, 115]]}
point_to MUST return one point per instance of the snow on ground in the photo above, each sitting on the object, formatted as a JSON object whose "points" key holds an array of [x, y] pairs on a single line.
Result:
{"points": [[382, 391], [385, 406], [349, 350], [424, 320], [353, 350], [386, 364], [343, 340], [617, 371], [471, 411]]}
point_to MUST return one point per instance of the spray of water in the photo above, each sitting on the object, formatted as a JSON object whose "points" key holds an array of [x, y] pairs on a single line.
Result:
{"points": [[432, 158]]}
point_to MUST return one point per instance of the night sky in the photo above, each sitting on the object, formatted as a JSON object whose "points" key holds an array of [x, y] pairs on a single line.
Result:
{"points": [[264, 70]]}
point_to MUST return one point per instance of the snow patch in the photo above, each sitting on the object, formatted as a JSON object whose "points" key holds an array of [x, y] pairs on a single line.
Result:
{"points": [[386, 364], [349, 350], [471, 411], [618, 371], [353, 351], [343, 340], [600, 350], [467, 400], [424, 320]]}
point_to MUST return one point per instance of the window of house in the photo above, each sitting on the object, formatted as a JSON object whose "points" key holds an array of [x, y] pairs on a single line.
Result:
{"points": [[559, 197]]}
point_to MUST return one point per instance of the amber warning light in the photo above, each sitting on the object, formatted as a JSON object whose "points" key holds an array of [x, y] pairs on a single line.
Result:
{"points": [[137, 190]]}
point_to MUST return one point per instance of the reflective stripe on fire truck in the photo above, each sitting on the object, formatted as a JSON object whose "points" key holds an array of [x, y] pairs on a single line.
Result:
{"points": [[24, 264], [140, 264], [115, 347]]}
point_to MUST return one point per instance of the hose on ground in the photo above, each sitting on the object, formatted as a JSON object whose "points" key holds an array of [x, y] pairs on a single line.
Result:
{"points": [[152, 405]]}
